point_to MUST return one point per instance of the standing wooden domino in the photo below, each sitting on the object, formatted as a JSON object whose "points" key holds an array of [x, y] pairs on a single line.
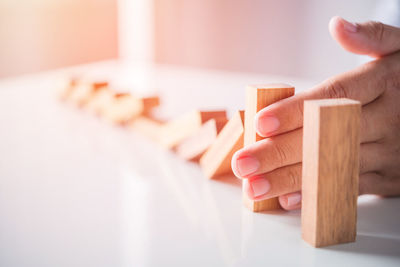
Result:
{"points": [[216, 161], [257, 98], [331, 145]]}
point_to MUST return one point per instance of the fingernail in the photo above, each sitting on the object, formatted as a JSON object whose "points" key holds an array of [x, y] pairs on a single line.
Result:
{"points": [[247, 165], [260, 187], [266, 125], [349, 26], [293, 199]]}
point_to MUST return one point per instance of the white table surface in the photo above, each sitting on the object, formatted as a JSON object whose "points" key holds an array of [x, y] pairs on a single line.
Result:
{"points": [[75, 191]]}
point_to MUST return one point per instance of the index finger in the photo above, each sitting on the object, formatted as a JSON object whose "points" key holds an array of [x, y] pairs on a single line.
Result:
{"points": [[365, 84]]}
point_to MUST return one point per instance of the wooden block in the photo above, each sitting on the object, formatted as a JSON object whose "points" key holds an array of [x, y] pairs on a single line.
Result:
{"points": [[194, 146], [257, 98], [99, 102], [125, 107], [149, 103], [216, 161], [148, 127], [84, 91], [331, 143], [66, 87], [177, 130]]}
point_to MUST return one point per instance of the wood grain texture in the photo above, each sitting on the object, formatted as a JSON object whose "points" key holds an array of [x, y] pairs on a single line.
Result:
{"points": [[257, 98], [194, 146], [175, 131], [216, 161], [331, 145]]}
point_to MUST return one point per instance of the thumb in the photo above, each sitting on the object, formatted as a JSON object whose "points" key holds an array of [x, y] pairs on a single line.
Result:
{"points": [[371, 38]]}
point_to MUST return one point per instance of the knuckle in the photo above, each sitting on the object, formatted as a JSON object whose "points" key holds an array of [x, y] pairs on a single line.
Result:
{"points": [[362, 164], [280, 154], [293, 177], [375, 30], [335, 89]]}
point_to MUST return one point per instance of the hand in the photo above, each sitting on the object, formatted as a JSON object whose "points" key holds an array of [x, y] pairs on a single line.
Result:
{"points": [[272, 167]]}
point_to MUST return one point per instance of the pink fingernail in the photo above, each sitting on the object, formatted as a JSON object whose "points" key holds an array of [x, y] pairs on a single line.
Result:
{"points": [[350, 27], [247, 165], [266, 125], [260, 187], [293, 199]]}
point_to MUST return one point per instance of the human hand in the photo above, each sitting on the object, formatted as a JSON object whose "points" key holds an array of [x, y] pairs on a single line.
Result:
{"points": [[272, 167]]}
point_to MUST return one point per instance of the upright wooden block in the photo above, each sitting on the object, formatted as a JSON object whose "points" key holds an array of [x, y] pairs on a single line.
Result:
{"points": [[331, 145], [216, 160], [194, 146], [177, 130], [257, 98]]}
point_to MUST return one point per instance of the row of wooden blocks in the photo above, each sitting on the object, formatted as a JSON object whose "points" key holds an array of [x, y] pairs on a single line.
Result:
{"points": [[330, 147]]}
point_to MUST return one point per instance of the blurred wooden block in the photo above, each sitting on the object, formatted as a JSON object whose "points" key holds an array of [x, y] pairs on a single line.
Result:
{"points": [[216, 160], [194, 146], [83, 92], [257, 98], [125, 107], [177, 130], [148, 127], [100, 101], [331, 143], [149, 103], [65, 88]]}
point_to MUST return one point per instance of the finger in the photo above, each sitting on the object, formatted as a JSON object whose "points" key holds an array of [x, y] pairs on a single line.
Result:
{"points": [[372, 123], [291, 201], [372, 38], [278, 182], [373, 157], [365, 84], [268, 154], [375, 183]]}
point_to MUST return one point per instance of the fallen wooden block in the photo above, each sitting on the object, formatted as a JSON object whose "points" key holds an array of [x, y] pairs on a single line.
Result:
{"points": [[83, 92], [257, 98], [177, 130], [99, 102], [66, 87], [148, 127], [216, 161], [125, 107], [194, 146], [331, 143]]}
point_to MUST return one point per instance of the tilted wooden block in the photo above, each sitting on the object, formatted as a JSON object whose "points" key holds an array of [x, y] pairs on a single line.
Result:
{"points": [[331, 145], [216, 161], [100, 101], [65, 88], [257, 98], [84, 91], [194, 146], [177, 130], [148, 127], [125, 107]]}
